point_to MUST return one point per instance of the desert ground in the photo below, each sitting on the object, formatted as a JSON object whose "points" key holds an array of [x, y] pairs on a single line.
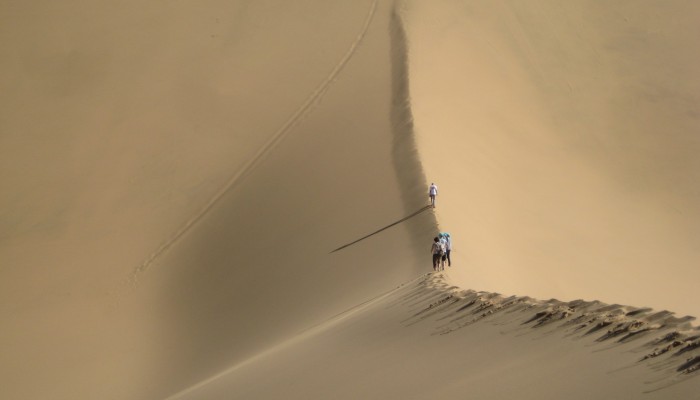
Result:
{"points": [[227, 199]]}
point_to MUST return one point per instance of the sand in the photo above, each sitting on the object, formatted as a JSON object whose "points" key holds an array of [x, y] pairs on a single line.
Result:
{"points": [[429, 339], [564, 140], [176, 178]]}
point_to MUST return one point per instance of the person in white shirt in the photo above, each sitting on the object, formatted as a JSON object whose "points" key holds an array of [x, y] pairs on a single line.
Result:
{"points": [[438, 250], [432, 193]]}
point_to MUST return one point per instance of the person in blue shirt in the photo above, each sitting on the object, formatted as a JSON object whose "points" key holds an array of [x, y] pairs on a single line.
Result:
{"points": [[447, 240]]}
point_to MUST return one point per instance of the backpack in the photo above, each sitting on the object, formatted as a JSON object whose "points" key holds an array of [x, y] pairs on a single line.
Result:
{"points": [[439, 247]]}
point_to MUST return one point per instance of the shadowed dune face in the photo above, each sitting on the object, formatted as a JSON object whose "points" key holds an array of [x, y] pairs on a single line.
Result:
{"points": [[178, 175], [564, 140], [259, 268]]}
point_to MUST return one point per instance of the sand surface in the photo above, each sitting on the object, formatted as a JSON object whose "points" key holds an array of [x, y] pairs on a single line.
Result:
{"points": [[564, 139], [427, 339], [175, 178]]}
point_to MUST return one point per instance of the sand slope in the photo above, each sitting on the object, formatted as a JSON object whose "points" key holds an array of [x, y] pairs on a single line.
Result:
{"points": [[564, 140], [175, 177], [427, 339]]}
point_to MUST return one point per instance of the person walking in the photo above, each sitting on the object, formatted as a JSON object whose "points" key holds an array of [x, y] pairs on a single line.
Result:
{"points": [[437, 251], [432, 193], [448, 247], [443, 243]]}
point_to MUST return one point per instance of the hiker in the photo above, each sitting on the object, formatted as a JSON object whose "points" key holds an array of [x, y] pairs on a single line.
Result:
{"points": [[448, 247], [432, 192], [438, 251], [443, 242]]}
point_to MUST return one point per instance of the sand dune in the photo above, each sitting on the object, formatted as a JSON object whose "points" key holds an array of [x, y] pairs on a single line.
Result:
{"points": [[217, 156], [194, 196], [564, 140], [430, 339]]}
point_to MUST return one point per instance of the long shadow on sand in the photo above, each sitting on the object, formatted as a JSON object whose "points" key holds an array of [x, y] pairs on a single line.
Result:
{"points": [[419, 211]]}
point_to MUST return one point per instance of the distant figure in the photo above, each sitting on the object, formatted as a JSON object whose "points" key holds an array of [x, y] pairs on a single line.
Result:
{"points": [[438, 251], [432, 192]]}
